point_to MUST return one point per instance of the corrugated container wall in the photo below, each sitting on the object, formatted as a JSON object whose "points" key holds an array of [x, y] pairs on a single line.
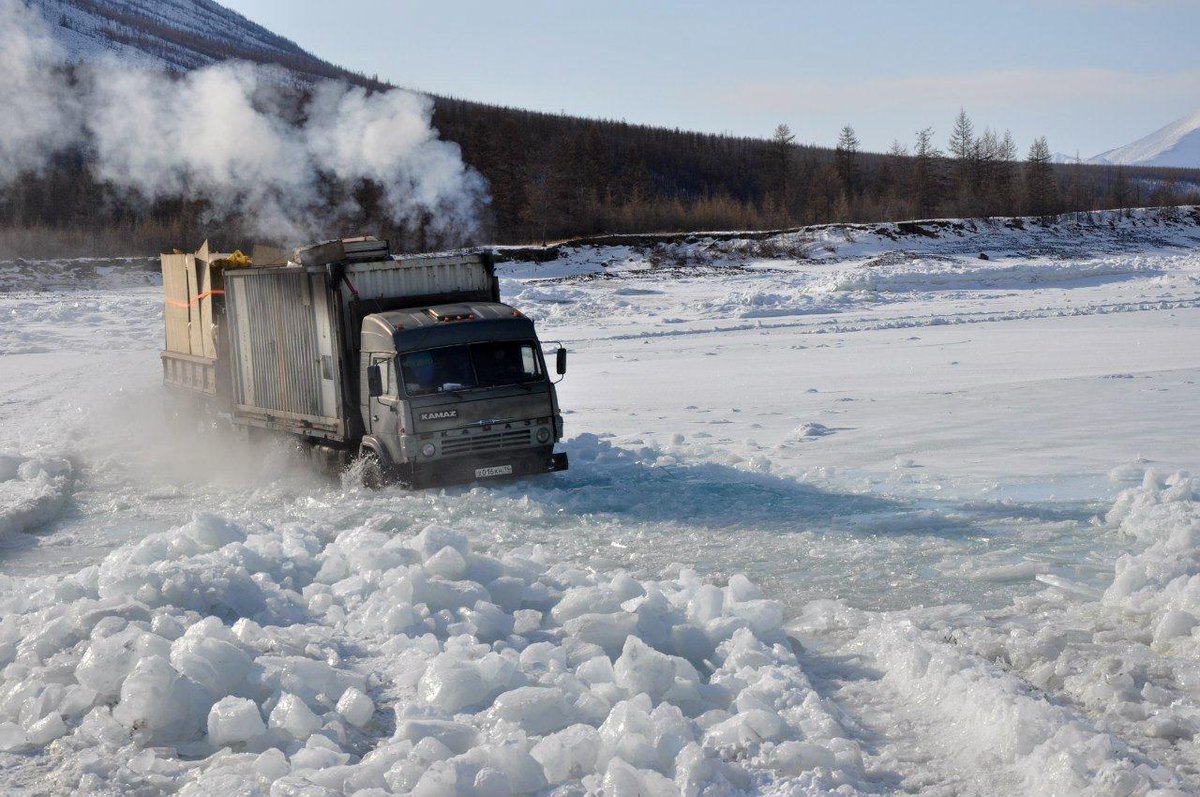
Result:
{"points": [[284, 358]]}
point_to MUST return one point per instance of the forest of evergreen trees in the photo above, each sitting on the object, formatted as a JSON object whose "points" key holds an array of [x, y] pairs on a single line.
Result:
{"points": [[554, 176]]}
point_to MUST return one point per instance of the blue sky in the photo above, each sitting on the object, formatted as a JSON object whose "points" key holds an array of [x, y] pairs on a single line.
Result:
{"points": [[1088, 74]]}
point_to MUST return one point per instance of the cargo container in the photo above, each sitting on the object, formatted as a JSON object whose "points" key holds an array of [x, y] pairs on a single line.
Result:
{"points": [[412, 363]]}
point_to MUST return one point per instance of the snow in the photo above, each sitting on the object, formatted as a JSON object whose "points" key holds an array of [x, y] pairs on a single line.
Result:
{"points": [[851, 510], [155, 32]]}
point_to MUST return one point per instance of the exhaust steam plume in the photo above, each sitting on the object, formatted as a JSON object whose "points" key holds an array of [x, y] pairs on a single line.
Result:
{"points": [[233, 135]]}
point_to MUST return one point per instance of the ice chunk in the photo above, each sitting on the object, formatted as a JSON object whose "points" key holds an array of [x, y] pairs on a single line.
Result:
{"points": [[76, 701], [691, 643], [35, 496], [522, 773], [578, 601], [356, 707], [696, 773], [429, 750], [322, 754], [537, 709], [609, 631], [742, 589], [792, 758], [441, 779], [764, 616], [272, 764], [212, 532], [439, 594], [434, 538], [623, 780], [628, 733], [12, 737], [597, 670], [708, 604], [307, 677], [1174, 623], [214, 663], [452, 684], [160, 702], [47, 729], [642, 669], [447, 563], [491, 782], [506, 592], [293, 717], [234, 720], [745, 730], [491, 623], [569, 754], [457, 737], [626, 587], [107, 662]]}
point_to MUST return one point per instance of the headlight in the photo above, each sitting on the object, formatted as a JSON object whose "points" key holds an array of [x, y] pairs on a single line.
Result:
{"points": [[543, 435], [429, 449]]}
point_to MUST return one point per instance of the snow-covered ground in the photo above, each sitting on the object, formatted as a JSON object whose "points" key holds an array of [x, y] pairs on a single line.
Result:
{"points": [[850, 510]]}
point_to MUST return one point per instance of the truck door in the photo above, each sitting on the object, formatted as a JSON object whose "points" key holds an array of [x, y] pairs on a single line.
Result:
{"points": [[380, 409]]}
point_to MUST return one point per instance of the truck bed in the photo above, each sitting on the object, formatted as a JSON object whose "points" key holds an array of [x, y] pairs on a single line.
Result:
{"points": [[188, 372]]}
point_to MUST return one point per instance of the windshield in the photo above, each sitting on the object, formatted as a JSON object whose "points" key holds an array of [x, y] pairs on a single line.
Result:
{"points": [[474, 365]]}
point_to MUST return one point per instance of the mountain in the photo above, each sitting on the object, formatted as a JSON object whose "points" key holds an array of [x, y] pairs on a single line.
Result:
{"points": [[1177, 144], [179, 35]]}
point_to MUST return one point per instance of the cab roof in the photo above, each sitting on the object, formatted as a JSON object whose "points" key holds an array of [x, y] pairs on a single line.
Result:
{"points": [[443, 325]]}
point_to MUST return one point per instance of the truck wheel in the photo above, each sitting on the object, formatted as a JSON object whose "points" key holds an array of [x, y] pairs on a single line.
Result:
{"points": [[373, 476]]}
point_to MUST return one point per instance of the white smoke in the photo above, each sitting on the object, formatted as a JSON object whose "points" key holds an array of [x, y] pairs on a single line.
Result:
{"points": [[219, 134], [38, 114]]}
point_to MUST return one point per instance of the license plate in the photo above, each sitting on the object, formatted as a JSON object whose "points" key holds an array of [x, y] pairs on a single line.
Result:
{"points": [[499, 470]]}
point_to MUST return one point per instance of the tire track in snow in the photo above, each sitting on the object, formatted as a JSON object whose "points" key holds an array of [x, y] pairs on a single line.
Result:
{"points": [[933, 711]]}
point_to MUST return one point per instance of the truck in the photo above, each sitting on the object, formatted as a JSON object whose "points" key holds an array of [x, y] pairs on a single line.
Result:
{"points": [[409, 364]]}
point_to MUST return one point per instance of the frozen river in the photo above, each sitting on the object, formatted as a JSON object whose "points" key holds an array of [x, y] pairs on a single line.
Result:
{"points": [[957, 482]]}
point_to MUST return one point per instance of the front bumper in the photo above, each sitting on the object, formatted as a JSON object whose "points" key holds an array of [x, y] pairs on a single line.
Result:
{"points": [[463, 470]]}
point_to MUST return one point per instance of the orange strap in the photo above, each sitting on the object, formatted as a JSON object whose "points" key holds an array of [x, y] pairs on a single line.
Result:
{"points": [[195, 300]]}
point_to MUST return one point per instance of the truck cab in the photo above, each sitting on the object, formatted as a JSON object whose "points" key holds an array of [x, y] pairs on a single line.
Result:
{"points": [[457, 392]]}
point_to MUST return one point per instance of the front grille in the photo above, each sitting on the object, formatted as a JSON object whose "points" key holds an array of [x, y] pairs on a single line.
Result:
{"points": [[488, 441]]}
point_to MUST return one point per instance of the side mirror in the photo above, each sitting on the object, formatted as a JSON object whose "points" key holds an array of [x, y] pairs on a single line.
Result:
{"points": [[374, 381], [560, 361]]}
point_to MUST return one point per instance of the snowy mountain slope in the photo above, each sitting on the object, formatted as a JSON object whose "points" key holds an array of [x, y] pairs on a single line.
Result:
{"points": [[177, 34], [1177, 144]]}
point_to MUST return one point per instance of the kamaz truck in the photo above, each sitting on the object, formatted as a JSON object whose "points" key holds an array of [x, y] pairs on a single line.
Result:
{"points": [[411, 363]]}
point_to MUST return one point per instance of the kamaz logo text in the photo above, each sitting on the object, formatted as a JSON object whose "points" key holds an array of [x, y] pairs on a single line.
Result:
{"points": [[440, 415]]}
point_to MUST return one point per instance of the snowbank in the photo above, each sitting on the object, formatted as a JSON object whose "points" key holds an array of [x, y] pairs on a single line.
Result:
{"points": [[839, 268], [223, 656], [915, 273]]}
